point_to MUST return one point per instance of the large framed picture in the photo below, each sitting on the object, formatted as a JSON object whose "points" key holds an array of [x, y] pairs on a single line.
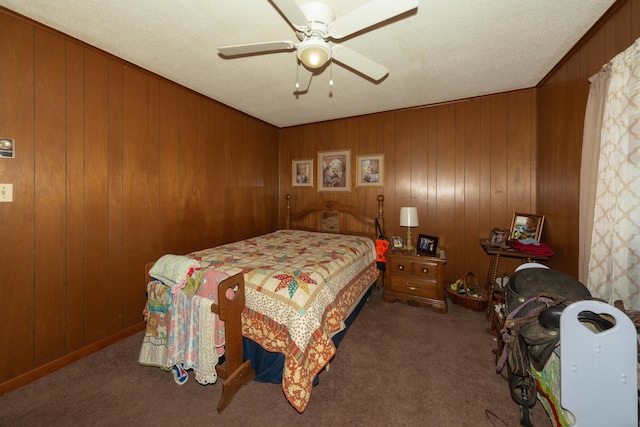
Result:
{"points": [[370, 170], [334, 170], [526, 226], [427, 244], [302, 173]]}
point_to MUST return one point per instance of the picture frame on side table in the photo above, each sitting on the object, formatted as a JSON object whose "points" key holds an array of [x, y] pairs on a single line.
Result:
{"points": [[525, 226], [302, 173], [397, 242], [499, 237], [334, 170], [427, 244]]}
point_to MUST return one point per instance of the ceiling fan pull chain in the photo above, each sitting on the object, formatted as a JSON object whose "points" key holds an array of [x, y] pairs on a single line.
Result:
{"points": [[331, 79], [331, 74]]}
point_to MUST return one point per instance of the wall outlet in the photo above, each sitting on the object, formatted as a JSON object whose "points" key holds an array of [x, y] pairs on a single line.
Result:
{"points": [[6, 193]]}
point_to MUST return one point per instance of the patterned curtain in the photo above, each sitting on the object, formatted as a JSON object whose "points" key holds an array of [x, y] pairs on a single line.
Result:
{"points": [[589, 170], [614, 258]]}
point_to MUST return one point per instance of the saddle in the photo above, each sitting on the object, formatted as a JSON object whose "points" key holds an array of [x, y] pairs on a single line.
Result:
{"points": [[534, 300]]}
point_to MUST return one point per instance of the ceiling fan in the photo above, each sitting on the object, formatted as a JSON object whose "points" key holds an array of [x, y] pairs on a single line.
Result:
{"points": [[316, 25]]}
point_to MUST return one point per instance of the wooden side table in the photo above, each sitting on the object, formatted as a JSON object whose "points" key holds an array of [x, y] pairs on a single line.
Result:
{"points": [[496, 253], [415, 280]]}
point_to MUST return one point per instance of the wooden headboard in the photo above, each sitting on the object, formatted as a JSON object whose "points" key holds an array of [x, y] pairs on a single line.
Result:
{"points": [[333, 217]]}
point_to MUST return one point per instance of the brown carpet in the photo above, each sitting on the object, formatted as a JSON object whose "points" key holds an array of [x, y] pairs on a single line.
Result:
{"points": [[398, 365]]}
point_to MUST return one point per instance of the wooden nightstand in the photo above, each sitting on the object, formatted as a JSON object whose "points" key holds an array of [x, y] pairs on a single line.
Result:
{"points": [[415, 280]]}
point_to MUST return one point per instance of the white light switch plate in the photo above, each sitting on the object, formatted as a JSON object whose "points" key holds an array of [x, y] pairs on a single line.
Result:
{"points": [[6, 193]]}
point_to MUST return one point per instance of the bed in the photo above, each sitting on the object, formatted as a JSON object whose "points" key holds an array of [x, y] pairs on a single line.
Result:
{"points": [[273, 307]]}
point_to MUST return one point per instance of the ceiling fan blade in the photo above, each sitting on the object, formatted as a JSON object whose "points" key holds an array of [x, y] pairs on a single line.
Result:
{"points": [[359, 63], [369, 14], [256, 48], [304, 79], [292, 12]]}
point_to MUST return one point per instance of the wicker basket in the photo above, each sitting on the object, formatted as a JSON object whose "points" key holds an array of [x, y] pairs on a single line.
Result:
{"points": [[473, 296]]}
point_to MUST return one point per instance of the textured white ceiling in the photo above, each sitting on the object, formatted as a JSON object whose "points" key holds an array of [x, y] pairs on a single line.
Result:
{"points": [[447, 50]]}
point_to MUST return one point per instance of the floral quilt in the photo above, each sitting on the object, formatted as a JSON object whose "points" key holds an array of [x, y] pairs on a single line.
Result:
{"points": [[299, 286]]}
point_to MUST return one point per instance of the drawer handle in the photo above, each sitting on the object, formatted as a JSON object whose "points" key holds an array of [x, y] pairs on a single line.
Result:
{"points": [[412, 288], [400, 267], [425, 270]]}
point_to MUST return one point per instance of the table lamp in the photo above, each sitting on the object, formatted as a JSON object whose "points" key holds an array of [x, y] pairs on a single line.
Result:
{"points": [[409, 218]]}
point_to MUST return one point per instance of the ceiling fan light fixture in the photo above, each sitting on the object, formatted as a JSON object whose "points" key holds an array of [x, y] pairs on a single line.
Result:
{"points": [[314, 53]]}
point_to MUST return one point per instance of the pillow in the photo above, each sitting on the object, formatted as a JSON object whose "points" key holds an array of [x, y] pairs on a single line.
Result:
{"points": [[173, 270]]}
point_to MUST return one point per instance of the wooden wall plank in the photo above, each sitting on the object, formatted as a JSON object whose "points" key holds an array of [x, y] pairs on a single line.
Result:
{"points": [[96, 183], [169, 168], [17, 260], [154, 250], [421, 152], [471, 180], [116, 212], [431, 118], [135, 170], [447, 226], [459, 194], [216, 170], [401, 137], [188, 149], [50, 205], [75, 194], [485, 222], [501, 153], [202, 161]]}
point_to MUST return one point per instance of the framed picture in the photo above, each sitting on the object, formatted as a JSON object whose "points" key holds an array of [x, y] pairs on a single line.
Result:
{"points": [[334, 170], [370, 170], [499, 237], [524, 226], [427, 244], [302, 173], [397, 242]]}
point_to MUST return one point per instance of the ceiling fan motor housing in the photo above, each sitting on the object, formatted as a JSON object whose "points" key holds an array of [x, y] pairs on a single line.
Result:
{"points": [[314, 52], [320, 16]]}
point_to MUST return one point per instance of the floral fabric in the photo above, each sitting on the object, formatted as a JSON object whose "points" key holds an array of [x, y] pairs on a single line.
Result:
{"points": [[299, 286]]}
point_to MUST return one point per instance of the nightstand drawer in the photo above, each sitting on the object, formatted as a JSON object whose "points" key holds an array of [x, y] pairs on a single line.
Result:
{"points": [[425, 270], [408, 286], [400, 266]]}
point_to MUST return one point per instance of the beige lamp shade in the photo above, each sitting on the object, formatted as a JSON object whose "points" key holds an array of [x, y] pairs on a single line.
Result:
{"points": [[409, 217]]}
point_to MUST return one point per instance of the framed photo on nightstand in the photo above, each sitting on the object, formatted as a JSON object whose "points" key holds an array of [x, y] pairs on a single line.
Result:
{"points": [[397, 242], [427, 244]]}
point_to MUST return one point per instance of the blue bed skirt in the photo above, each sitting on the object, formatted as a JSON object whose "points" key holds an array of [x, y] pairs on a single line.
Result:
{"points": [[269, 365]]}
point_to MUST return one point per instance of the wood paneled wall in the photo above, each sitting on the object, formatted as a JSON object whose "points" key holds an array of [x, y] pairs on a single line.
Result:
{"points": [[562, 99], [114, 167], [467, 166]]}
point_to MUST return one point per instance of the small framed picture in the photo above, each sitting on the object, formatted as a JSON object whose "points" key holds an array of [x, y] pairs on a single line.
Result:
{"points": [[334, 170], [526, 226], [427, 244], [302, 173], [370, 170], [499, 237], [397, 242]]}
